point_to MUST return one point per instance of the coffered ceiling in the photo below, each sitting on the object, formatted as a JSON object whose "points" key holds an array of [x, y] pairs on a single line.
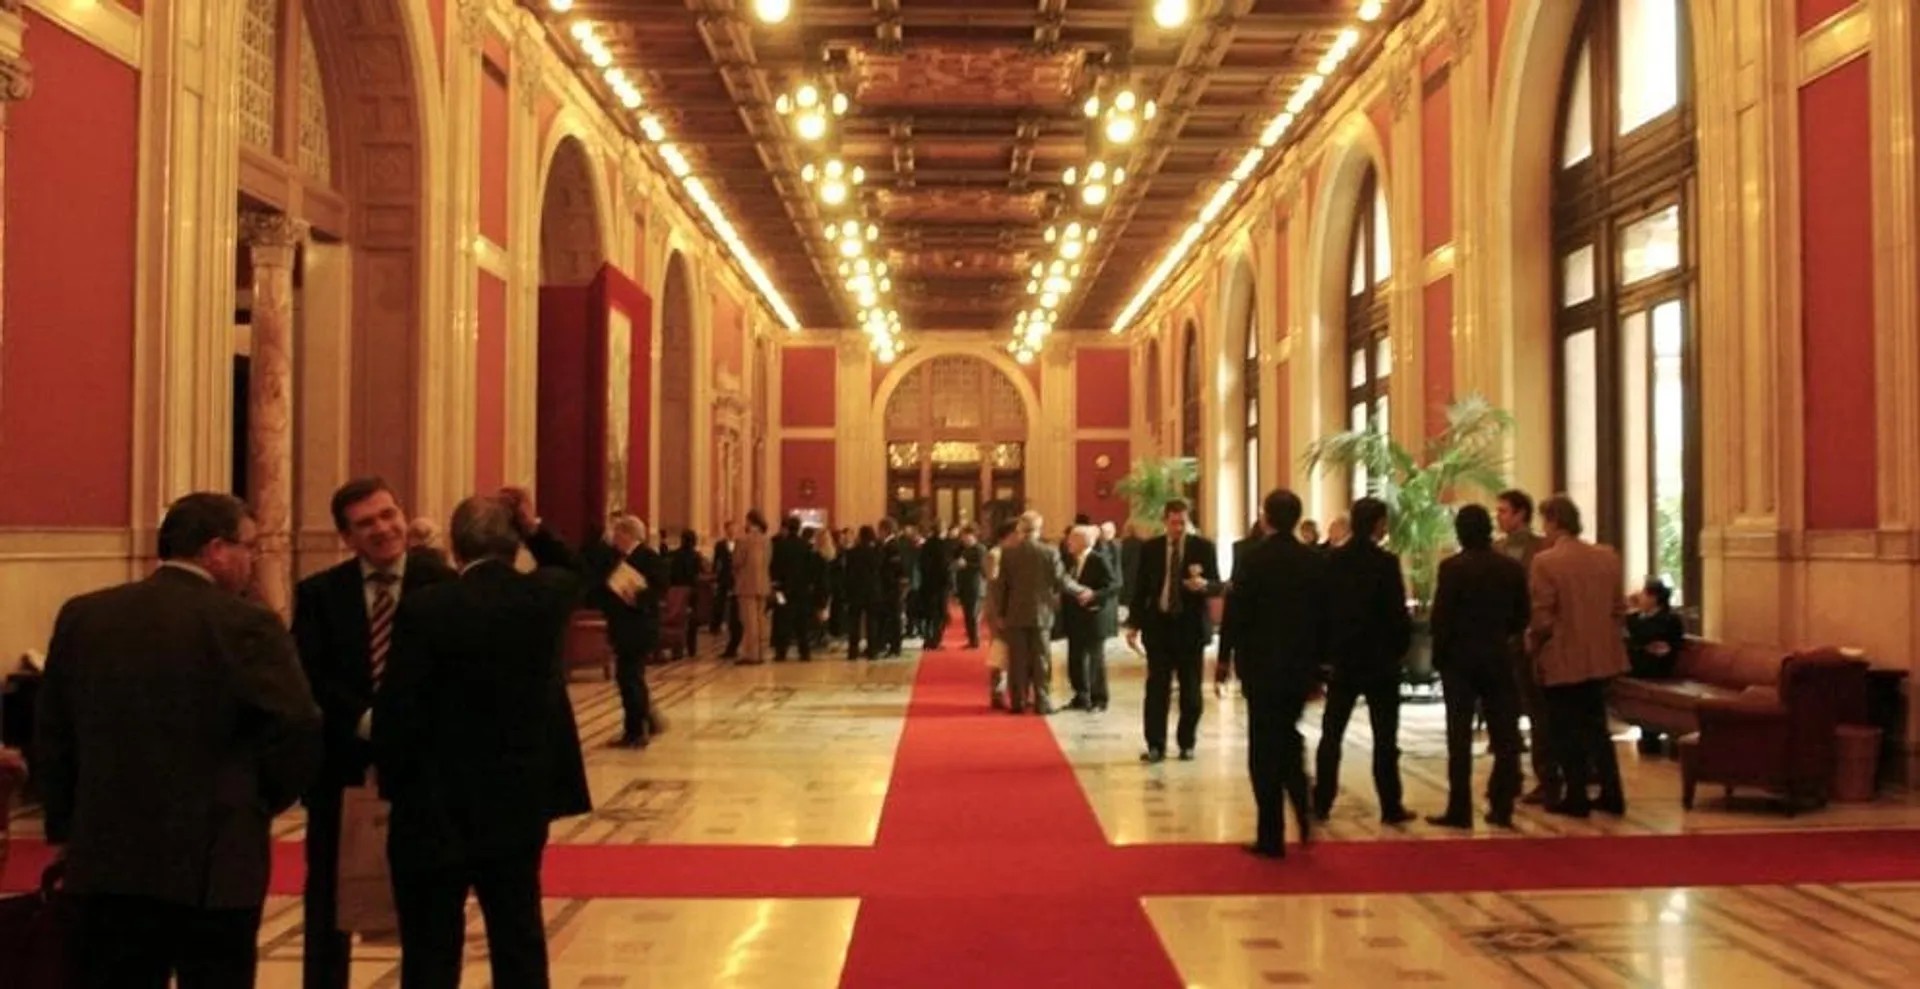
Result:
{"points": [[964, 116]]}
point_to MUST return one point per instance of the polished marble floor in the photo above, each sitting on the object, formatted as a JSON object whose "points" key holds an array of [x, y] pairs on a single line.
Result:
{"points": [[801, 754]]}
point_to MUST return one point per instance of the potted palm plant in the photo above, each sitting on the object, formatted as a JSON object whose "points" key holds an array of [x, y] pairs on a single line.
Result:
{"points": [[1468, 453], [1152, 483]]}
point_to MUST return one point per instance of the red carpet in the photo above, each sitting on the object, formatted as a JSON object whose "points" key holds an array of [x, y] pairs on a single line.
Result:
{"points": [[986, 815]]}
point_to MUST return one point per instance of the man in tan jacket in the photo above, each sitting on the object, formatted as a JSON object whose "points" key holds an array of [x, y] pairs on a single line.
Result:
{"points": [[1574, 636], [751, 585]]}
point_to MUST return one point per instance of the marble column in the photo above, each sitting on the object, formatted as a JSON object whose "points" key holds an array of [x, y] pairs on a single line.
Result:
{"points": [[272, 240]]}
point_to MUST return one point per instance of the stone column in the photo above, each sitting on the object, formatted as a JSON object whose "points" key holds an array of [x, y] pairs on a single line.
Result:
{"points": [[272, 240]]}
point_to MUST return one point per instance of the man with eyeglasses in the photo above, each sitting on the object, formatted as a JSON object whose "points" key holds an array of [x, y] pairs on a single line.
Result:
{"points": [[173, 726]]}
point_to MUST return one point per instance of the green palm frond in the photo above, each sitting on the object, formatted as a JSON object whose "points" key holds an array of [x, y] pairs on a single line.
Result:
{"points": [[1468, 453], [1154, 482]]}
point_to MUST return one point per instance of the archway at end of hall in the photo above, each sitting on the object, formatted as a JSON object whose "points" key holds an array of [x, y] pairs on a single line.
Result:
{"points": [[676, 507], [570, 459], [956, 437]]}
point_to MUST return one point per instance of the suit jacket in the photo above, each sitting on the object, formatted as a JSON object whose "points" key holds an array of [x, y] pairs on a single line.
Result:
{"points": [[893, 570], [968, 579], [862, 574], [1190, 624], [799, 573], [751, 559], [172, 726], [632, 628], [723, 565], [1521, 546], [1229, 632], [1277, 613], [1370, 628], [330, 627], [1480, 607], [1030, 584], [936, 566], [473, 734], [1095, 619], [1577, 613], [1116, 566]]}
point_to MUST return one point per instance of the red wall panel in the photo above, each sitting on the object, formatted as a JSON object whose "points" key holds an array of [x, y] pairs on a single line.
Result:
{"points": [[545, 108], [571, 463], [1436, 167], [66, 356], [490, 386], [1437, 368], [1836, 213], [494, 114], [1102, 386], [1812, 12], [1094, 487], [437, 15], [806, 476], [807, 386]]}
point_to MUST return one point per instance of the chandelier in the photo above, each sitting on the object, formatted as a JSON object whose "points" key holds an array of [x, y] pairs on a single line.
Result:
{"points": [[832, 180], [813, 107]]}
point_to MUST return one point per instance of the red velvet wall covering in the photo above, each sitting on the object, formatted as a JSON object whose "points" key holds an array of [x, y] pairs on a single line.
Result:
{"points": [[1101, 385], [1836, 214], [490, 386], [494, 115], [1436, 165], [1437, 372], [807, 387], [806, 476], [572, 401], [1093, 486], [1811, 13], [66, 354]]}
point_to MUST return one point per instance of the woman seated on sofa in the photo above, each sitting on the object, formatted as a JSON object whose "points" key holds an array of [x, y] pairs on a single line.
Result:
{"points": [[1654, 631]]}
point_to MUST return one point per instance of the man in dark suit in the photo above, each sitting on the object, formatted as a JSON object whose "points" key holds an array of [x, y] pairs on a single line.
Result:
{"points": [[1230, 642], [1178, 573], [1277, 611], [724, 608], [969, 572], [633, 624], [1088, 622], [476, 746], [889, 631], [797, 583], [172, 726], [343, 623], [936, 585], [1480, 608], [1028, 591], [1369, 632], [861, 576]]}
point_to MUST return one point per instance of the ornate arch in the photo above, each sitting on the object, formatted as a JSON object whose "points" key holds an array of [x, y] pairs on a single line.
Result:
{"points": [[569, 126], [994, 356]]}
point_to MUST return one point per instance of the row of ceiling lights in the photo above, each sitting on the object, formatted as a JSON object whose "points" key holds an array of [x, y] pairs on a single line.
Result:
{"points": [[1277, 127], [586, 36]]}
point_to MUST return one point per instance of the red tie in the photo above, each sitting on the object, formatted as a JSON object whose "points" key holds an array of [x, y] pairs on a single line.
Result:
{"points": [[380, 622]]}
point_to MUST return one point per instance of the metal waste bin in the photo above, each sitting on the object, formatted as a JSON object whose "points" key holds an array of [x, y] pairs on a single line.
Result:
{"points": [[1856, 770]]}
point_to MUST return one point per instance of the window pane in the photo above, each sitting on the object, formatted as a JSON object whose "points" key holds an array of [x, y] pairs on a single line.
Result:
{"points": [[1636, 494], [1253, 477], [1576, 143], [1382, 239], [1577, 276], [1669, 444], [1357, 421], [1650, 246], [1579, 396], [1357, 369], [1382, 358], [1649, 56], [1380, 420], [1357, 273]]}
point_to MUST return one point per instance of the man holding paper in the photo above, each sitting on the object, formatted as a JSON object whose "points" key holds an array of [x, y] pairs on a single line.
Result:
{"points": [[630, 598]]}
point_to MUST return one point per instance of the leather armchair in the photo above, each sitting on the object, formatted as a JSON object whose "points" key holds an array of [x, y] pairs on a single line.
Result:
{"points": [[1781, 740]]}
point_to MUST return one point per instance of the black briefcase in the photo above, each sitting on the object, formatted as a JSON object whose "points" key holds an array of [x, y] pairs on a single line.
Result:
{"points": [[37, 935]]}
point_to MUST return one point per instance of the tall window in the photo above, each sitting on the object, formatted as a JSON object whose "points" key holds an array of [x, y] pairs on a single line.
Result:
{"points": [[1369, 348], [1190, 403], [1250, 388], [1623, 189]]}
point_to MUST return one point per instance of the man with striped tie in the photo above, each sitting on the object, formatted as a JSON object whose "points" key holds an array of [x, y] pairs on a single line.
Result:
{"points": [[343, 624]]}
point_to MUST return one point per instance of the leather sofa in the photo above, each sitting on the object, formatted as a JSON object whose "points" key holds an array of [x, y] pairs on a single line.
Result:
{"points": [[1705, 671], [1782, 740]]}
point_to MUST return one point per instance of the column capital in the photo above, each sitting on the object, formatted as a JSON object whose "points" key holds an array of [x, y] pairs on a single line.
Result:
{"points": [[16, 73], [473, 22], [264, 229], [1463, 20]]}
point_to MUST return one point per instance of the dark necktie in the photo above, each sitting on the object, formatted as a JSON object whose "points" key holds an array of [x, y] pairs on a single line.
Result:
{"points": [[380, 622], [1170, 601]]}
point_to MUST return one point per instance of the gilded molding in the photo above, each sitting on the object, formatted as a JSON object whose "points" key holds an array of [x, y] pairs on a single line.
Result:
{"points": [[529, 59], [1835, 41], [1463, 21], [263, 229], [472, 15], [1438, 263], [16, 79], [1402, 67]]}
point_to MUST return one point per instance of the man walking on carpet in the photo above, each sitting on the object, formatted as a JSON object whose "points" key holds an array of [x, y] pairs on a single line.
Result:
{"points": [[1031, 583]]}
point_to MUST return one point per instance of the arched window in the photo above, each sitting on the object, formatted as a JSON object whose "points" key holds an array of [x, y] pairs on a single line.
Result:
{"points": [[1190, 404], [1250, 389], [1369, 348], [1622, 211]]}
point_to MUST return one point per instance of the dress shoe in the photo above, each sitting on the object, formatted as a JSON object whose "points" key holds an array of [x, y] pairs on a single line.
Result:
{"points": [[1098, 707], [1451, 820], [1569, 809], [1540, 796], [1078, 704], [1154, 755], [1186, 755], [1265, 851], [1616, 806], [999, 703], [1043, 709], [1396, 817], [1501, 819]]}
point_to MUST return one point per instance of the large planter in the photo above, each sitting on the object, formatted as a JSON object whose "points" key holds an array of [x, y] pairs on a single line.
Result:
{"points": [[1416, 670]]}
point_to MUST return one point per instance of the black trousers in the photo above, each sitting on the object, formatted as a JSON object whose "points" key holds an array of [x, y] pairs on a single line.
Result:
{"points": [[1488, 689], [134, 942], [630, 677], [722, 610], [1087, 666], [970, 614], [1532, 702], [432, 904], [887, 629], [1582, 744], [793, 626], [1276, 763], [1383, 713], [735, 629], [327, 951], [1169, 660], [933, 615], [859, 618]]}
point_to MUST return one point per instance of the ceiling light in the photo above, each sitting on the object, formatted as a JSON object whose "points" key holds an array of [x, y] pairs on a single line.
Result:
{"points": [[560, 6], [650, 126], [581, 30], [1094, 195], [1121, 129], [1370, 10], [772, 11], [1171, 13]]}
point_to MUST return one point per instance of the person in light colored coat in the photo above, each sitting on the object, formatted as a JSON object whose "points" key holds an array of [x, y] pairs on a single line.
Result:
{"points": [[1574, 635], [753, 581], [1031, 581]]}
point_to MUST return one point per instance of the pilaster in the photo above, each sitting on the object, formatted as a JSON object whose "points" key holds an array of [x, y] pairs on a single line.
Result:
{"points": [[523, 232], [454, 415], [1048, 473], [1406, 311], [272, 241], [860, 481], [1476, 358]]}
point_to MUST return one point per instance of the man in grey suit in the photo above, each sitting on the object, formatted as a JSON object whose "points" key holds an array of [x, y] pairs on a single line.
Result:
{"points": [[1030, 584]]}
